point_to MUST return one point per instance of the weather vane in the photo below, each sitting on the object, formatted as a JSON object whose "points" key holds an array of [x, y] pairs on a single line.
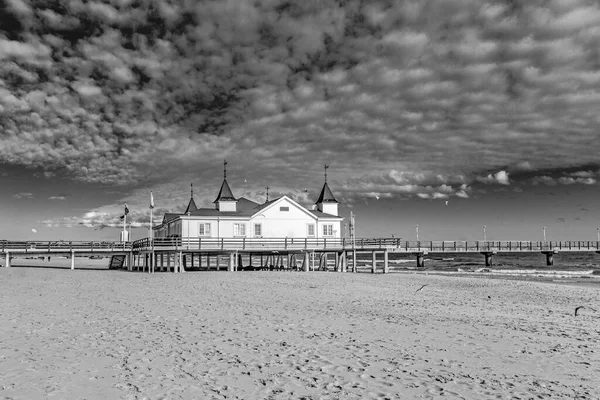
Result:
{"points": [[224, 169], [191, 189], [326, 166], [267, 192]]}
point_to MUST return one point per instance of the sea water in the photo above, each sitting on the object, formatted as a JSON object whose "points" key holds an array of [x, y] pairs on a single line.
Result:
{"points": [[580, 265]]}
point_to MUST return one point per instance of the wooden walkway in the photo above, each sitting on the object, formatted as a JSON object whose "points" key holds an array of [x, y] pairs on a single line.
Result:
{"points": [[149, 253], [380, 244]]}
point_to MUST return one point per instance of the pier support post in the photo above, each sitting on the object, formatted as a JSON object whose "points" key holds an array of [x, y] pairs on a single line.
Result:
{"points": [[344, 262], [354, 267], [181, 268], [374, 265], [231, 262], [306, 262], [72, 259], [168, 262], [489, 257], [550, 257], [420, 260], [338, 267], [386, 267], [7, 254]]}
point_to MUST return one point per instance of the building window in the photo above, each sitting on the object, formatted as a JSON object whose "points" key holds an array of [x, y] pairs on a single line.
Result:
{"points": [[204, 229], [328, 230], [310, 229], [239, 229], [284, 209], [258, 230]]}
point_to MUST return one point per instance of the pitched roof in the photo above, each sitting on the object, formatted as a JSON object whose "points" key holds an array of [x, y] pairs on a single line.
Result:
{"points": [[169, 217], [245, 204], [326, 196], [191, 206], [245, 208], [225, 193], [321, 214]]}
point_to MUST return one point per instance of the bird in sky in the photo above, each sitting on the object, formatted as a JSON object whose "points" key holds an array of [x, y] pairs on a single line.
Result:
{"points": [[377, 196], [446, 202], [33, 230]]}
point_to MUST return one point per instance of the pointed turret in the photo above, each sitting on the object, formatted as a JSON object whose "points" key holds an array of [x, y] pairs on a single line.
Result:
{"points": [[225, 193], [192, 204], [326, 202], [225, 200], [326, 196]]}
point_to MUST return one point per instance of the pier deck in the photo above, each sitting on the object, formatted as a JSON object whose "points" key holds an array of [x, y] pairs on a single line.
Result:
{"points": [[148, 251]]}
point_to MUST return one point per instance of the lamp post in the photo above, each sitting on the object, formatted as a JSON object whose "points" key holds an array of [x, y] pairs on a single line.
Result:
{"points": [[484, 234], [544, 234], [598, 231], [417, 229]]}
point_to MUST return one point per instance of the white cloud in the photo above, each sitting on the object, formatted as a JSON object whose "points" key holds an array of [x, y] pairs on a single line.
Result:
{"points": [[57, 198], [500, 177], [565, 180], [23, 195]]}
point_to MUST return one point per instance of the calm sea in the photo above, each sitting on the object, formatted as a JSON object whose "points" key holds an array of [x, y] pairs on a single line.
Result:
{"points": [[578, 266]]}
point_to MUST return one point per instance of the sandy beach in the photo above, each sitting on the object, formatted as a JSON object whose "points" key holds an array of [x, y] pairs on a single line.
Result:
{"points": [[100, 334]]}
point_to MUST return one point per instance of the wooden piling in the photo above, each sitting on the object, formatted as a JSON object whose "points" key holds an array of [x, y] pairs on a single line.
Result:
{"points": [[374, 260], [386, 267]]}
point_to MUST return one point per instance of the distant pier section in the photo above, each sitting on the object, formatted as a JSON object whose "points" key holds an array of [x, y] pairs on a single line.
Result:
{"points": [[176, 254]]}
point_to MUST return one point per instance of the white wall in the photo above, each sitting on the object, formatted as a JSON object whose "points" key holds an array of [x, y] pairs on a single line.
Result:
{"points": [[227, 206], [278, 223], [329, 208], [337, 232]]}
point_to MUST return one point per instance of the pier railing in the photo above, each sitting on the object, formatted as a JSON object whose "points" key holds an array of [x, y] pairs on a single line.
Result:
{"points": [[298, 244], [392, 244], [61, 245]]}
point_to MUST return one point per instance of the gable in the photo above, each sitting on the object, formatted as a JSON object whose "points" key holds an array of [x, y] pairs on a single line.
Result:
{"points": [[284, 208]]}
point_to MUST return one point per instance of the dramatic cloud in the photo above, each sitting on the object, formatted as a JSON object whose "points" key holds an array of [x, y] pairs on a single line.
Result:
{"points": [[141, 93], [572, 178], [57, 198]]}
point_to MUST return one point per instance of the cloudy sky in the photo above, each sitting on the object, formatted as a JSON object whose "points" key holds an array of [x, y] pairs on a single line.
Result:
{"points": [[492, 106]]}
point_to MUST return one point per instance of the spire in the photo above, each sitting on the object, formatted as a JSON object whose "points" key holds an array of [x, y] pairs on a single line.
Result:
{"points": [[326, 195], [225, 193], [192, 204]]}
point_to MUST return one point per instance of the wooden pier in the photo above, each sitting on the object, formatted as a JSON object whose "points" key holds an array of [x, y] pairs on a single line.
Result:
{"points": [[179, 254]]}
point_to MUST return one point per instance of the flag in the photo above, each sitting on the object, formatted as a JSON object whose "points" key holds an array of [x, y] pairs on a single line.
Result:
{"points": [[151, 200], [126, 209]]}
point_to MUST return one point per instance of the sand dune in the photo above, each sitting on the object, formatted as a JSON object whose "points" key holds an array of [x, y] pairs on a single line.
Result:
{"points": [[281, 335]]}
